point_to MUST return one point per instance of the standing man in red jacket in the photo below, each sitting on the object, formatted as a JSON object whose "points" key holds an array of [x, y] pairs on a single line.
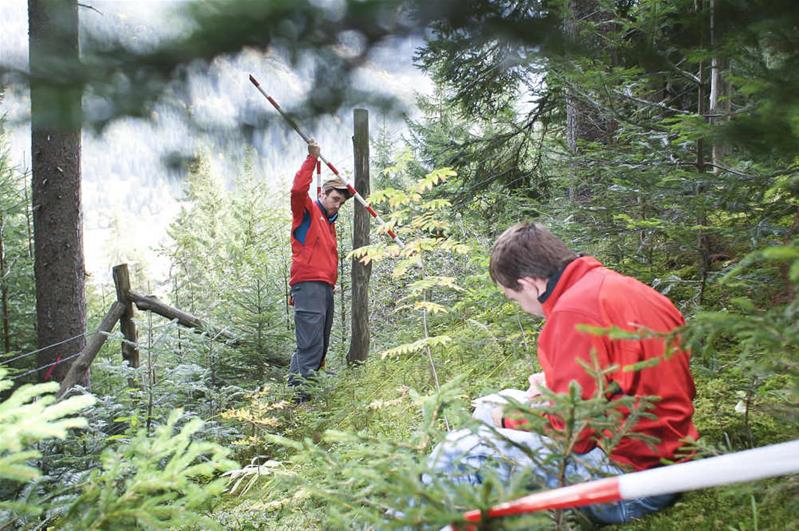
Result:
{"points": [[547, 279], [314, 266]]}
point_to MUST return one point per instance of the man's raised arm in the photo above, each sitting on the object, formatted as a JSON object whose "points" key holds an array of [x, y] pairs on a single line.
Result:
{"points": [[302, 181]]}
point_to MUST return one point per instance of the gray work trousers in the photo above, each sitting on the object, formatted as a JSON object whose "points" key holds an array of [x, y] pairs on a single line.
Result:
{"points": [[313, 320]]}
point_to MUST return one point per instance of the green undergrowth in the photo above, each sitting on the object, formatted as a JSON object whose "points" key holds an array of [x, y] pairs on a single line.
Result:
{"points": [[762, 505], [354, 454], [725, 425], [377, 401]]}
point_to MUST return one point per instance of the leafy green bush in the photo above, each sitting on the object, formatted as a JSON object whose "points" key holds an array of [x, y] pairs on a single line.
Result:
{"points": [[158, 482], [28, 416]]}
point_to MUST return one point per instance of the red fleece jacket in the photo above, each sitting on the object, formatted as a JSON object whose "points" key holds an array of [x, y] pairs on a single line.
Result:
{"points": [[315, 259], [588, 293]]}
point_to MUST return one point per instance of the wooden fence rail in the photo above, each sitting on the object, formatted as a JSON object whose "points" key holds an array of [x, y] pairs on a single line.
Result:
{"points": [[93, 346], [122, 310], [152, 304]]}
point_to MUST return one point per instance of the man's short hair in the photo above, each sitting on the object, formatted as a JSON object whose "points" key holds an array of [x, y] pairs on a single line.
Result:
{"points": [[337, 184], [527, 250]]}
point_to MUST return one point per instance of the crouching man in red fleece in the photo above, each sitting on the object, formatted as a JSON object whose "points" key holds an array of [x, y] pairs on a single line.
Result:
{"points": [[540, 273]]}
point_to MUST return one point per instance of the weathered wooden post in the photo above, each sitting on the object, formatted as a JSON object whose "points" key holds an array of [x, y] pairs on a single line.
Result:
{"points": [[4, 292], [122, 310], [359, 342], [130, 350], [79, 368]]}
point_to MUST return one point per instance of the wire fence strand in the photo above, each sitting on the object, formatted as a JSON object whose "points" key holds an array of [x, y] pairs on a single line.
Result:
{"points": [[37, 369], [213, 326], [32, 352]]}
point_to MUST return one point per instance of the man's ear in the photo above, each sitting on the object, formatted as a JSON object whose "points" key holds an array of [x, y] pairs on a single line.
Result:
{"points": [[539, 284]]}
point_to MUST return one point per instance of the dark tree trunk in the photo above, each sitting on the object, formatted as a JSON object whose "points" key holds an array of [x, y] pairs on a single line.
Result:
{"points": [[359, 343], [703, 239], [584, 122], [56, 197], [4, 290]]}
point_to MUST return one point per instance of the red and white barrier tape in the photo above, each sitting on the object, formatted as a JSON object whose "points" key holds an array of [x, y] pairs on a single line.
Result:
{"points": [[318, 178], [749, 465]]}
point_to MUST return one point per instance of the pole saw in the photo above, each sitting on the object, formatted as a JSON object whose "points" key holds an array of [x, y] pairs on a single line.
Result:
{"points": [[351, 188]]}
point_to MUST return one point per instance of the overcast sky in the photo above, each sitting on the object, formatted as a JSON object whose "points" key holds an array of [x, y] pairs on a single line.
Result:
{"points": [[123, 168]]}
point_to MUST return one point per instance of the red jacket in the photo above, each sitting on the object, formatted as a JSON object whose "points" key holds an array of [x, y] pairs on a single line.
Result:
{"points": [[314, 250], [588, 293]]}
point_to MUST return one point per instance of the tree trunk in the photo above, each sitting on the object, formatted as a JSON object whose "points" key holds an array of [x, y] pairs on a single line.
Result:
{"points": [[584, 122], [28, 214], [341, 297], [359, 342], [703, 240], [56, 197], [718, 103], [4, 289]]}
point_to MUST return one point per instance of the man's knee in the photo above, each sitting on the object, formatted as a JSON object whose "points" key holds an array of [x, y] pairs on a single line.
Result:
{"points": [[309, 329], [455, 446], [482, 412]]}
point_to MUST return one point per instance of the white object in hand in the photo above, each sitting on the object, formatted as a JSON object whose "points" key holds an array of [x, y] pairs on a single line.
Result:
{"points": [[501, 398]]}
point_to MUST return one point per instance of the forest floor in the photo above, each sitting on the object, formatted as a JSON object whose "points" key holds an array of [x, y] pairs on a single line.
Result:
{"points": [[373, 400]]}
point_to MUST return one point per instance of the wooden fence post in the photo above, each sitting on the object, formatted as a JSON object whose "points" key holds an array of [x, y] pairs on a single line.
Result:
{"points": [[122, 310], [77, 371], [359, 342], [130, 349], [4, 291]]}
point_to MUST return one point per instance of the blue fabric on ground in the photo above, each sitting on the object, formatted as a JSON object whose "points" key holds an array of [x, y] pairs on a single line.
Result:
{"points": [[465, 455]]}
